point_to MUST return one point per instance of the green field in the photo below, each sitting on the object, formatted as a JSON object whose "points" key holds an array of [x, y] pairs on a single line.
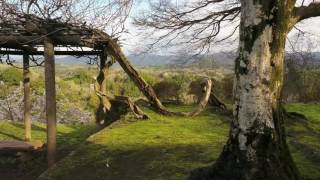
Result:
{"points": [[162, 147]]}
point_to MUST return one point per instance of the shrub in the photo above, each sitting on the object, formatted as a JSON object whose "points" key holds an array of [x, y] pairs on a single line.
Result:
{"points": [[195, 90], [167, 90], [224, 87], [37, 85], [151, 80], [312, 86], [93, 102], [130, 89], [120, 85], [68, 90], [82, 76], [179, 79], [113, 87], [5, 90], [302, 86], [11, 76]]}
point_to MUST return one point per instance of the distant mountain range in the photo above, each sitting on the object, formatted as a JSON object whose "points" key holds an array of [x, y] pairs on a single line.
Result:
{"points": [[156, 60], [220, 58]]}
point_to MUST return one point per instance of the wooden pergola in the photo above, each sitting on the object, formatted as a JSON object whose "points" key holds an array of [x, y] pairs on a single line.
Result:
{"points": [[34, 36]]}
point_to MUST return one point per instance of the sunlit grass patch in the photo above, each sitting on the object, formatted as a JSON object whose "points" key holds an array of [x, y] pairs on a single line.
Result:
{"points": [[159, 148], [311, 111], [304, 139]]}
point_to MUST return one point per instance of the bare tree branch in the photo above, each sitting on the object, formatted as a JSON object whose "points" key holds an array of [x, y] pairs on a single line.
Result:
{"points": [[305, 12], [196, 23], [109, 16]]}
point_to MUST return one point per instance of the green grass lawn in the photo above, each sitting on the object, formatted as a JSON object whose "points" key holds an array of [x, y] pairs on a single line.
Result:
{"points": [[304, 138], [169, 147], [158, 148]]}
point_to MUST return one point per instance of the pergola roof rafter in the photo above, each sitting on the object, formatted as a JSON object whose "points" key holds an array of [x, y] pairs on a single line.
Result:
{"points": [[29, 32], [57, 53]]}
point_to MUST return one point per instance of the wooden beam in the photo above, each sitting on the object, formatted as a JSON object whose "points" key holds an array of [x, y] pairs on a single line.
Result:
{"points": [[57, 53], [50, 90], [27, 97], [19, 146], [20, 41]]}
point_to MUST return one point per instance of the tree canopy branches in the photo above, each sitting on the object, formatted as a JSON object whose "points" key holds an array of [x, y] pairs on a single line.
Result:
{"points": [[198, 24], [305, 12], [109, 16]]}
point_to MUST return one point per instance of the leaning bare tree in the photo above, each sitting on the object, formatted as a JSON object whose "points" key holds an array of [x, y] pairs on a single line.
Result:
{"points": [[257, 147]]}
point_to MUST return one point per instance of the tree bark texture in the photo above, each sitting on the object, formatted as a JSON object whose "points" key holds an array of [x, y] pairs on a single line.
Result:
{"points": [[257, 149], [101, 90], [50, 91], [27, 97]]}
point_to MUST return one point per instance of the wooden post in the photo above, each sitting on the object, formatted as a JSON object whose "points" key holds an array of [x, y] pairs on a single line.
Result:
{"points": [[27, 97], [50, 90]]}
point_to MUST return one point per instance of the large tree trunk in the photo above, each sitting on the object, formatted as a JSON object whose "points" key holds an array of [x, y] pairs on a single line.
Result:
{"points": [[257, 149], [50, 90], [27, 97]]}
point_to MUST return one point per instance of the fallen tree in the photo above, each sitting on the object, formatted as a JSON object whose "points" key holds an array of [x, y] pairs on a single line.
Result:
{"points": [[115, 50]]}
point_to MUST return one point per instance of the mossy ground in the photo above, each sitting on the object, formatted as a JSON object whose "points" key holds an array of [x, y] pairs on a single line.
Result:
{"points": [[167, 147]]}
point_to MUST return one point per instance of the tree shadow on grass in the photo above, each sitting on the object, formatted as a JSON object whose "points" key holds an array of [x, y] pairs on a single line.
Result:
{"points": [[92, 161], [14, 136], [29, 170], [34, 127], [66, 143], [11, 136]]}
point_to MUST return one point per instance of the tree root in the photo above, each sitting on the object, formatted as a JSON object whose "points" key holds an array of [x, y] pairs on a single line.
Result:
{"points": [[121, 105], [138, 113], [216, 102]]}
